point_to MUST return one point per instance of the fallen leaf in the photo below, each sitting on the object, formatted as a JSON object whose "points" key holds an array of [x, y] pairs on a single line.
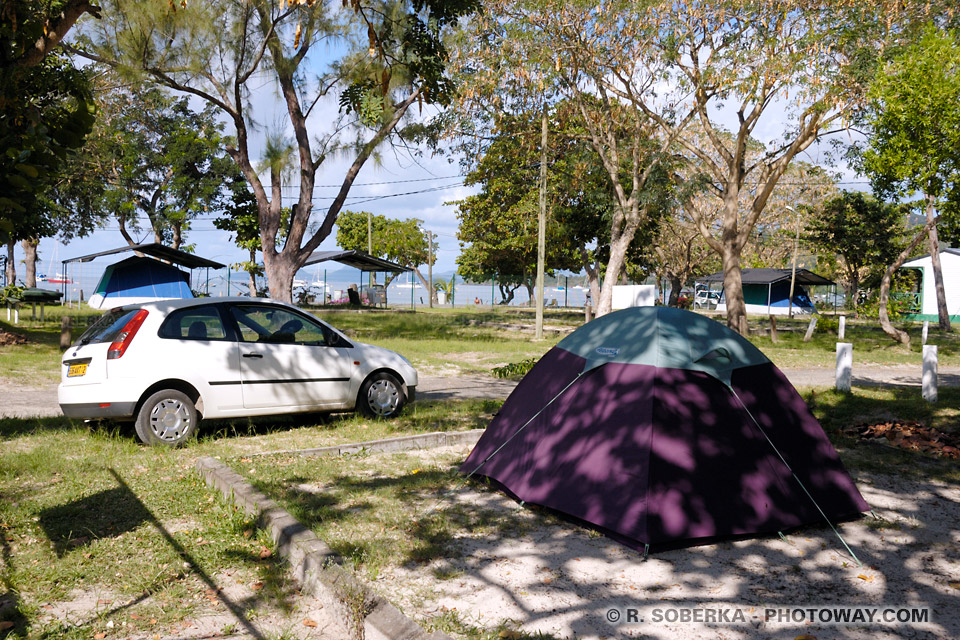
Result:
{"points": [[955, 585], [806, 636], [4, 625], [256, 586], [309, 623], [264, 552], [153, 621], [865, 578], [100, 634]]}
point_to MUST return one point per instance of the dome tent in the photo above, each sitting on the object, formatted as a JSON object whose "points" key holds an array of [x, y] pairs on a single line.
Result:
{"points": [[659, 426], [137, 280]]}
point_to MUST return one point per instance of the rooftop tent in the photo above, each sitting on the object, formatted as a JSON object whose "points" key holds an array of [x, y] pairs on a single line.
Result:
{"points": [[136, 280], [660, 426]]}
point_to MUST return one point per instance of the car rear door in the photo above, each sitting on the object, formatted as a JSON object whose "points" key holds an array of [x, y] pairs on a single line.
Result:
{"points": [[197, 346], [285, 361]]}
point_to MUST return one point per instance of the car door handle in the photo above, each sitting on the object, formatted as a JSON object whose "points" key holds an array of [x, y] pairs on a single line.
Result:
{"points": [[252, 355]]}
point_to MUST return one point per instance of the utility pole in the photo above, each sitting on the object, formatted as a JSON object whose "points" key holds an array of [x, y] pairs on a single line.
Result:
{"points": [[793, 269], [430, 268], [542, 223], [370, 240]]}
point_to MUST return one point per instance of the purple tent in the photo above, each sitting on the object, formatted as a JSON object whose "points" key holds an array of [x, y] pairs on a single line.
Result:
{"points": [[659, 426]]}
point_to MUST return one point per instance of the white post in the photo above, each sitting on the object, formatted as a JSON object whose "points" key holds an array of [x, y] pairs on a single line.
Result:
{"points": [[810, 328], [844, 366], [841, 332], [929, 380], [16, 314], [926, 331]]}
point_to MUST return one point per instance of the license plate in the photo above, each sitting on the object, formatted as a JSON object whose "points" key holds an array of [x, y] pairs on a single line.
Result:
{"points": [[76, 370]]}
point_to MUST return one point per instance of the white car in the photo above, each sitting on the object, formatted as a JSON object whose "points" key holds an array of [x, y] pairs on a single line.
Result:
{"points": [[166, 365]]}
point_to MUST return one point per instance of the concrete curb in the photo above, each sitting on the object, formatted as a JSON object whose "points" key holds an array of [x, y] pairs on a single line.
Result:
{"points": [[401, 443], [367, 615]]}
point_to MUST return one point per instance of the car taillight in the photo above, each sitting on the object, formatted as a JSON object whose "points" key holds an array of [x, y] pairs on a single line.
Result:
{"points": [[119, 346]]}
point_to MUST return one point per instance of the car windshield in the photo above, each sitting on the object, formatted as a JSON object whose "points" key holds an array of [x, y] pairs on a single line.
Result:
{"points": [[106, 328]]}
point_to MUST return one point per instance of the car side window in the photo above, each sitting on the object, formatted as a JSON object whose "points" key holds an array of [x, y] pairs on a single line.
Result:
{"points": [[194, 323], [276, 326]]}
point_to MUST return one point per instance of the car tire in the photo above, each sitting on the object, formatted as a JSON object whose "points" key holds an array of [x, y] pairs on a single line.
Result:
{"points": [[381, 396], [167, 418]]}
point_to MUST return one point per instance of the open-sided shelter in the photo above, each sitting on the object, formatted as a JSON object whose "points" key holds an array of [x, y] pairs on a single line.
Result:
{"points": [[767, 291], [661, 426], [141, 278]]}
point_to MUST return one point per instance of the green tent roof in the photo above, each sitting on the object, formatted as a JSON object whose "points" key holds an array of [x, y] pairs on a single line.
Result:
{"points": [[663, 337]]}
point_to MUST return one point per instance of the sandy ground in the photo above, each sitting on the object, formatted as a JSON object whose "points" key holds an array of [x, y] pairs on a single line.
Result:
{"points": [[562, 580]]}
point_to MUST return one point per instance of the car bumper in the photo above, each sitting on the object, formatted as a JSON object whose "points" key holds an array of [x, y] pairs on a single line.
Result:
{"points": [[99, 400], [98, 409]]}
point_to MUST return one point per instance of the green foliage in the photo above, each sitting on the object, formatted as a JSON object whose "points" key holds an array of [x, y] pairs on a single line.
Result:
{"points": [[866, 233], [515, 370], [401, 241], [151, 155], [11, 293], [45, 114], [915, 120]]}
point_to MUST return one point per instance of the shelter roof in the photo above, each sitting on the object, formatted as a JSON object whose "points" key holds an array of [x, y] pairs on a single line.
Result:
{"points": [[357, 260], [770, 276], [156, 250]]}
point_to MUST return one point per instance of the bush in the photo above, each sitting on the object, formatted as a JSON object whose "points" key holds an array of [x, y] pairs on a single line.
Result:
{"points": [[515, 370]]}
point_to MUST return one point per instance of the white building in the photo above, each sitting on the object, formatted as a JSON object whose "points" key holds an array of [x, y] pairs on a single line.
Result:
{"points": [[950, 263]]}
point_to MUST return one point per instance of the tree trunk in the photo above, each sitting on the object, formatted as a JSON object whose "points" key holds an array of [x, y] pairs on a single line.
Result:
{"points": [[943, 315], [618, 256], [733, 290], [280, 269], [11, 273], [30, 261], [675, 286], [900, 336], [252, 281]]}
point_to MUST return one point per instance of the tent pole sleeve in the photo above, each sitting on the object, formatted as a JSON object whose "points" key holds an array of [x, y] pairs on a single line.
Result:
{"points": [[525, 425], [802, 486]]}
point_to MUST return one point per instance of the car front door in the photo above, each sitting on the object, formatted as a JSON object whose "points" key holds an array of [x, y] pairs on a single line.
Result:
{"points": [[286, 362]]}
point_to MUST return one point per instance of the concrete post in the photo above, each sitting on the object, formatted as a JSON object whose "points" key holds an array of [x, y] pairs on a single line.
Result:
{"points": [[66, 331], [844, 366], [929, 379], [842, 330], [810, 328], [926, 331], [773, 329]]}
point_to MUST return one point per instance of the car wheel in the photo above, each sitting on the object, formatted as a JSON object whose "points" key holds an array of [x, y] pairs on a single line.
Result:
{"points": [[168, 417], [381, 396]]}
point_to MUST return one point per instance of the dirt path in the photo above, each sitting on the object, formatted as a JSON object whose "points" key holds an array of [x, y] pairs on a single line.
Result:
{"points": [[18, 401]]}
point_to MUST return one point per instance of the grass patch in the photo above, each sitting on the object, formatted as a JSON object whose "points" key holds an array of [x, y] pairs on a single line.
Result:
{"points": [[86, 512], [836, 410]]}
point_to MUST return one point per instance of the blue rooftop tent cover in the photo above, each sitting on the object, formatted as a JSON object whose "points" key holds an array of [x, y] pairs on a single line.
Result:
{"points": [[136, 280]]}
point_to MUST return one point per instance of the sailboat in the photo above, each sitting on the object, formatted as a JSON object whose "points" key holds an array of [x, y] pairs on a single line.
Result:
{"points": [[60, 278]]}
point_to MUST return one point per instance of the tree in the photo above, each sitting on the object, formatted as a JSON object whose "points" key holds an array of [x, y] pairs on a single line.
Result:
{"points": [[150, 155], [689, 68], [866, 233], [401, 241], [30, 31], [526, 53], [240, 219], [914, 144], [392, 57], [45, 109]]}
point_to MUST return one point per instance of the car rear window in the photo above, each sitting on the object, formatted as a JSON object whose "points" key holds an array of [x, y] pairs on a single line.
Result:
{"points": [[107, 327]]}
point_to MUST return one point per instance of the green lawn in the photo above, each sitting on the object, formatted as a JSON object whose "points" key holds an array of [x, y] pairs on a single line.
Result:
{"points": [[87, 510]]}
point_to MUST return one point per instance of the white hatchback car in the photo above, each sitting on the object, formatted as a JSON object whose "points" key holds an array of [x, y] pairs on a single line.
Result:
{"points": [[168, 364]]}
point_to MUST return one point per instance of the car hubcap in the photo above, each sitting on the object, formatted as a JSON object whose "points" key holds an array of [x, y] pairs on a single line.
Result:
{"points": [[383, 397], [169, 420]]}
